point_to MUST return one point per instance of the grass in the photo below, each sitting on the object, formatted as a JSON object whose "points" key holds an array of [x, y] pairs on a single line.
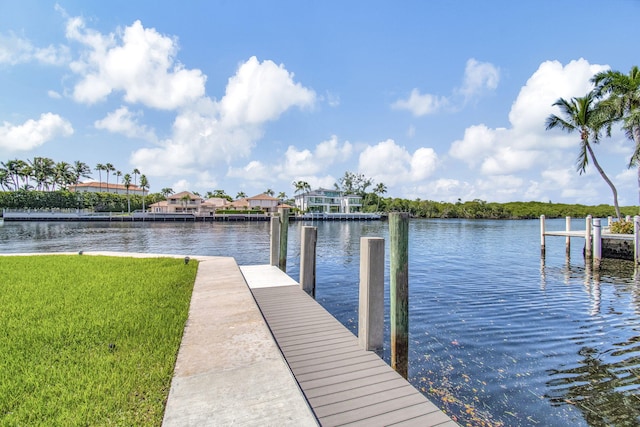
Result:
{"points": [[89, 340]]}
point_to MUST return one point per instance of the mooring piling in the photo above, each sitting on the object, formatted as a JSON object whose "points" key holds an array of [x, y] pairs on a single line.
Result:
{"points": [[308, 242], [371, 295], [587, 238], [284, 234], [274, 248], [636, 239], [597, 243], [399, 290], [567, 222], [542, 237]]}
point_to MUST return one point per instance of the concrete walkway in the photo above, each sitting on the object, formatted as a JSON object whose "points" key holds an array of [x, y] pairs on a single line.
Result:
{"points": [[229, 369]]}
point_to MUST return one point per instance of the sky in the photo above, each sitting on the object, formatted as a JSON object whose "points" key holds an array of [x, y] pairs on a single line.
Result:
{"points": [[438, 100]]}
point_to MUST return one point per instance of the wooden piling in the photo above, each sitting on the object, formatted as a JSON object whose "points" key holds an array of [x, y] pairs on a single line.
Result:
{"points": [[371, 295], [542, 236], [274, 249], [636, 239], [597, 244], [587, 238], [284, 234], [399, 290], [568, 238], [308, 260]]}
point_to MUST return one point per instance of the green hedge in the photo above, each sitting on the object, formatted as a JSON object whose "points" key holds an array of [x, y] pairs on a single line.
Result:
{"points": [[64, 199]]}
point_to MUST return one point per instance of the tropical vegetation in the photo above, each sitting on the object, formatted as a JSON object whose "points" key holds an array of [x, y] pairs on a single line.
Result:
{"points": [[90, 340], [614, 99]]}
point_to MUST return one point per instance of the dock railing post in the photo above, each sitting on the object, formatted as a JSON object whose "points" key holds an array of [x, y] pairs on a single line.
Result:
{"points": [[308, 260], [636, 239], [399, 290], [371, 295], [284, 233], [542, 237], [568, 238], [587, 238], [597, 244], [274, 253]]}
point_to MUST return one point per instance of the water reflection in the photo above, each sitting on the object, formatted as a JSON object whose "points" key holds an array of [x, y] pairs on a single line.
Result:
{"points": [[603, 386]]}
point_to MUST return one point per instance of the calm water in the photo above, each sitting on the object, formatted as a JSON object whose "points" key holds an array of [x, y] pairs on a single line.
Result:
{"points": [[497, 337]]}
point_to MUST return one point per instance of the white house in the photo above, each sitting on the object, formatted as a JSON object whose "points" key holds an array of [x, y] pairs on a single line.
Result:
{"points": [[328, 201]]}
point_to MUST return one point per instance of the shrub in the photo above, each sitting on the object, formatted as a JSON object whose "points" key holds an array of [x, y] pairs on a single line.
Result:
{"points": [[622, 227]]}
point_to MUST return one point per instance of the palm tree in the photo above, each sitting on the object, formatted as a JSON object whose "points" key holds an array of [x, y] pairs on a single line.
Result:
{"points": [[42, 171], [301, 186], [269, 192], [4, 179], [117, 174], [379, 190], [100, 168], [582, 114], [126, 180], [24, 172], [144, 184], [622, 104], [241, 195], [185, 201], [62, 175], [166, 191], [282, 196], [108, 167], [135, 173], [80, 170]]}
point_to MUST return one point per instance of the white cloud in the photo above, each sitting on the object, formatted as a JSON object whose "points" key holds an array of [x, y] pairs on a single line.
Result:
{"points": [[253, 171], [261, 92], [16, 50], [137, 61], [53, 94], [207, 133], [181, 185], [125, 122], [478, 78], [392, 164], [526, 144], [33, 133], [305, 162], [421, 104]]}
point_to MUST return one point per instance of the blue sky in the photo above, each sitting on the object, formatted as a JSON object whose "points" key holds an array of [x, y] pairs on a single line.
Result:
{"points": [[438, 100]]}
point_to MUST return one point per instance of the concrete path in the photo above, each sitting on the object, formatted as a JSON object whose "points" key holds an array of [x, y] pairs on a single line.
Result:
{"points": [[229, 369]]}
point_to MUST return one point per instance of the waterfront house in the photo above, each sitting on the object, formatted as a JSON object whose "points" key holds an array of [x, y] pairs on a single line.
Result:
{"points": [[183, 202], [264, 202], [103, 187], [328, 201], [186, 202]]}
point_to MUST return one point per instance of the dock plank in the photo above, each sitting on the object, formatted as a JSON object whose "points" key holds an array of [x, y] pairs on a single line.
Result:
{"points": [[344, 384]]}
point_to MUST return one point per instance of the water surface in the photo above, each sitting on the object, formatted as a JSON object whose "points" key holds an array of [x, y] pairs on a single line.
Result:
{"points": [[497, 336]]}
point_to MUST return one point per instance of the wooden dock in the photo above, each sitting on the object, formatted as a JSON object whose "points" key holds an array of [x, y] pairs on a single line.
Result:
{"points": [[599, 242], [343, 384]]}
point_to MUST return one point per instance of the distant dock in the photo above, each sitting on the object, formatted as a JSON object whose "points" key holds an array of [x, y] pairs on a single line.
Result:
{"points": [[599, 242]]}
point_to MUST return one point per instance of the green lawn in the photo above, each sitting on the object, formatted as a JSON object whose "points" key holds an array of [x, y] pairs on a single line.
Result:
{"points": [[89, 340]]}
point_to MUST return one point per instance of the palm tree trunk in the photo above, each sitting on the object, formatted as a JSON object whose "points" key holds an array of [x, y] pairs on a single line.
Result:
{"points": [[607, 180]]}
